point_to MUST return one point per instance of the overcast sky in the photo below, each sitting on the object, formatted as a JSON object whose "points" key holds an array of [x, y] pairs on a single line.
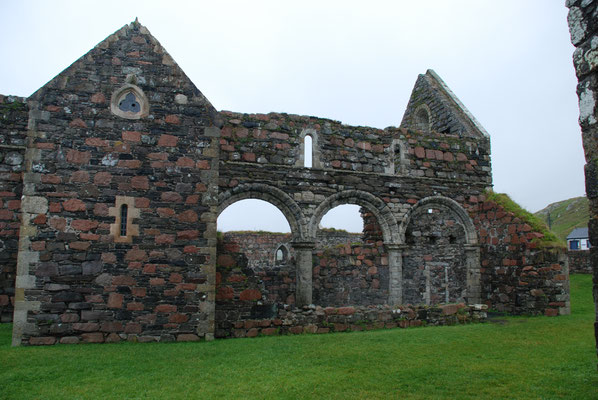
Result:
{"points": [[509, 62]]}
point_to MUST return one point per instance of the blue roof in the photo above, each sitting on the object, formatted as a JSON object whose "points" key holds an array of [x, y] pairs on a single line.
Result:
{"points": [[579, 233]]}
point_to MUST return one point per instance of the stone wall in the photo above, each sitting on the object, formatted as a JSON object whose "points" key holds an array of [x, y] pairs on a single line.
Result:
{"points": [[445, 114], [579, 262], [119, 233], [519, 275], [278, 139], [257, 300], [434, 266], [13, 129], [258, 247], [350, 273], [583, 25], [317, 319], [128, 166]]}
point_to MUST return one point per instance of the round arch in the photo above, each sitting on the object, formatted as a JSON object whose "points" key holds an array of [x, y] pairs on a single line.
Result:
{"points": [[471, 236], [272, 195], [383, 214]]}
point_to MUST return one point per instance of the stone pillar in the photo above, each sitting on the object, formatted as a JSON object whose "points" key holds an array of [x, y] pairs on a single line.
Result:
{"points": [[472, 263], [584, 34], [304, 260], [395, 269]]}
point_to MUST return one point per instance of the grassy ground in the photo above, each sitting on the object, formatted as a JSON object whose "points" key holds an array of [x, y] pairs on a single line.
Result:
{"points": [[514, 358]]}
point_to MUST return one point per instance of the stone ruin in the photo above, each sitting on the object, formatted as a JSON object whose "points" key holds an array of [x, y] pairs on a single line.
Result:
{"points": [[583, 26], [114, 173]]}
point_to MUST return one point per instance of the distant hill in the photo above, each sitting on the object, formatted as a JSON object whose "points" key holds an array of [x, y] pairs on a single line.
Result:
{"points": [[565, 215]]}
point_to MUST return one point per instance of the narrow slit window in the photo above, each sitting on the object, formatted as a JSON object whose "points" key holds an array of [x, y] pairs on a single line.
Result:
{"points": [[124, 212], [307, 151], [123, 220]]}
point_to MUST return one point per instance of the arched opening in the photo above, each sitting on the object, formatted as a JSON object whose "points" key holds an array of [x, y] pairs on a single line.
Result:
{"points": [[255, 271], [435, 262], [282, 255], [252, 215], [346, 217], [307, 151], [350, 260], [261, 192], [422, 119]]}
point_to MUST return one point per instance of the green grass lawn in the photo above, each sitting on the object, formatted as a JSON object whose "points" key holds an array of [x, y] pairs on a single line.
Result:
{"points": [[517, 358]]}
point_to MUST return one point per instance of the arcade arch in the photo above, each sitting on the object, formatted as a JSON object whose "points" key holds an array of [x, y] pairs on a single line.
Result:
{"points": [[440, 263]]}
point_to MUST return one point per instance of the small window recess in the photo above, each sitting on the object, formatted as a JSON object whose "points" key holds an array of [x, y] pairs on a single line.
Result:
{"points": [[423, 119], [281, 256], [123, 229], [307, 151], [129, 101], [398, 163]]}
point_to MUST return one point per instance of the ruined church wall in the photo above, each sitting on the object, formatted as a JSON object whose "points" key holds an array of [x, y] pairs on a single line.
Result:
{"points": [[78, 283], [13, 130], [252, 301], [175, 169], [345, 270], [258, 247], [434, 261], [277, 139], [518, 274], [350, 274]]}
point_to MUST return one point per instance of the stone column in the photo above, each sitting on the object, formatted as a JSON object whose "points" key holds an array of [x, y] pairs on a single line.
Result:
{"points": [[472, 263], [584, 35], [304, 267], [395, 269]]}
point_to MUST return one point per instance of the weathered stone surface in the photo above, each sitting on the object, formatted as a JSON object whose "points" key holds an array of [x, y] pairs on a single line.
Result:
{"points": [[583, 26], [123, 207]]}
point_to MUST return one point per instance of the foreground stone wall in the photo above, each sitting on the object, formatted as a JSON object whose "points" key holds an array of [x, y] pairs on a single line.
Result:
{"points": [[583, 25], [579, 262], [13, 133]]}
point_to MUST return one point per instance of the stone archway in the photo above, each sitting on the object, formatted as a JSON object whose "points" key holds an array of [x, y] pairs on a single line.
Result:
{"points": [[441, 261], [386, 220], [272, 195], [383, 214], [470, 232], [294, 216]]}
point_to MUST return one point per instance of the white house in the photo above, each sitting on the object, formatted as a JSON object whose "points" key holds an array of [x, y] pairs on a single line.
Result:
{"points": [[578, 239]]}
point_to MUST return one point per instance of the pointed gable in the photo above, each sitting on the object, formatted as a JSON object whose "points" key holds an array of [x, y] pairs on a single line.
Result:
{"points": [[130, 55], [434, 107]]}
